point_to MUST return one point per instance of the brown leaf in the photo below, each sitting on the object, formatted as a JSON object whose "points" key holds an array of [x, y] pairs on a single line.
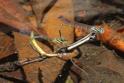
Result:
{"points": [[6, 46], [40, 7], [13, 8], [13, 15]]}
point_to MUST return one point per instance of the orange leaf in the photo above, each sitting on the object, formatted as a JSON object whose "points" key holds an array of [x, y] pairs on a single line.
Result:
{"points": [[112, 38]]}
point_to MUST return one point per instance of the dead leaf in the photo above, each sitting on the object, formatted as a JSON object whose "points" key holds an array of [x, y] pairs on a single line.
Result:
{"points": [[40, 7], [13, 14], [7, 46]]}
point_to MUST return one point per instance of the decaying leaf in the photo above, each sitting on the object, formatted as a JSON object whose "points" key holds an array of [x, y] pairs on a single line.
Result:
{"points": [[13, 15], [86, 10], [112, 38], [7, 46], [40, 7], [14, 9]]}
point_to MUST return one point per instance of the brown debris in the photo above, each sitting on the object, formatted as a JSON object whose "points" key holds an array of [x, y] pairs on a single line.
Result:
{"points": [[86, 10], [97, 66]]}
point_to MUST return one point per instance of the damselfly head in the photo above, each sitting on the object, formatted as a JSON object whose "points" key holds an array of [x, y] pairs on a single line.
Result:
{"points": [[97, 29]]}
